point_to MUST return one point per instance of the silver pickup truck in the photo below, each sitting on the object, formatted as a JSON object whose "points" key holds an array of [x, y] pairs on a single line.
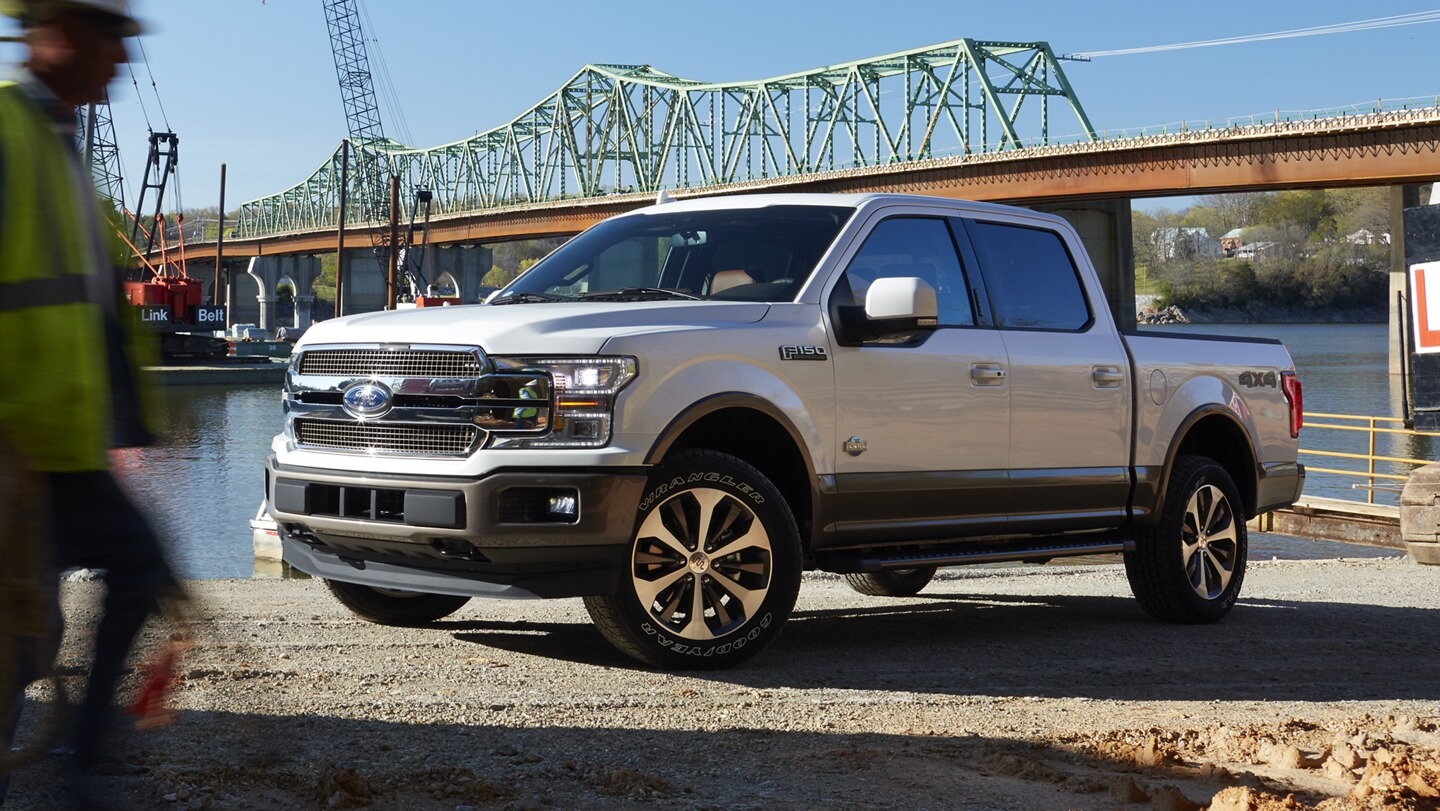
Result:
{"points": [[682, 409]]}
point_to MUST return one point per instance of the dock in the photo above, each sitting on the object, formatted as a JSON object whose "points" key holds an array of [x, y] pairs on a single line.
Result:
{"points": [[259, 372], [1333, 519]]}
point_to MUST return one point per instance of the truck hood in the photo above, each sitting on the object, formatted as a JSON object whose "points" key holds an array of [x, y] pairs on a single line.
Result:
{"points": [[551, 328]]}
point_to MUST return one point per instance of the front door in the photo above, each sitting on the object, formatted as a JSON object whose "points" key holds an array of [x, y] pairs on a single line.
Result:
{"points": [[922, 419]]}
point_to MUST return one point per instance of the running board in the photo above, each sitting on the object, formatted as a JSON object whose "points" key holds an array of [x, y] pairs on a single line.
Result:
{"points": [[843, 563]]}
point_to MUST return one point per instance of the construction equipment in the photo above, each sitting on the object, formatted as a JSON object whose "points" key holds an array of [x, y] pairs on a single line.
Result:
{"points": [[371, 147]]}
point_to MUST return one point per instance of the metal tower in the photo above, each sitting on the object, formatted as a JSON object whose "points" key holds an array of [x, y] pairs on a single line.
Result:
{"points": [[96, 142], [362, 110]]}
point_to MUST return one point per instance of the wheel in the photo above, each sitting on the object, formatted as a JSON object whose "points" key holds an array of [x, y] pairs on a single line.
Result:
{"points": [[714, 566], [1189, 566], [395, 607], [891, 582]]}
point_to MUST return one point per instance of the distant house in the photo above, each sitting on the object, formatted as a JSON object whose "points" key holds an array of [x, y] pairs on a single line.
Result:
{"points": [[1253, 250], [1232, 240], [1186, 242], [1367, 237]]}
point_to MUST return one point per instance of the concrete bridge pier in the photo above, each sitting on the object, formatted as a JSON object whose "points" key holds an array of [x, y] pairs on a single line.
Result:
{"points": [[467, 265], [1105, 228], [363, 290], [268, 271]]}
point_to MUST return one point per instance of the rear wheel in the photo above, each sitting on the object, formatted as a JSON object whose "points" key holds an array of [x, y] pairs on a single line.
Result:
{"points": [[891, 582], [395, 607], [1189, 566], [714, 566]]}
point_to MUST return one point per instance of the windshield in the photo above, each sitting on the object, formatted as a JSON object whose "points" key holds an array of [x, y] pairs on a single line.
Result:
{"points": [[752, 254]]}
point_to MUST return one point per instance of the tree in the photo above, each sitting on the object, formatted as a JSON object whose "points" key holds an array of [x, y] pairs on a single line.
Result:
{"points": [[1226, 212], [1312, 210]]}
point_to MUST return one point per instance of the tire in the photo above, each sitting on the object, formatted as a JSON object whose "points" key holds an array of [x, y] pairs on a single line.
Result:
{"points": [[395, 607], [680, 604], [1189, 567], [891, 582]]}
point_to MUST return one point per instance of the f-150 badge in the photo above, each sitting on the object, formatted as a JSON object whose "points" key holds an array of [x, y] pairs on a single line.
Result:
{"points": [[803, 353]]}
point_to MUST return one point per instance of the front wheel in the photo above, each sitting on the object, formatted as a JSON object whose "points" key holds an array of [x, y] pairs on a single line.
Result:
{"points": [[1189, 566], [395, 607], [714, 566]]}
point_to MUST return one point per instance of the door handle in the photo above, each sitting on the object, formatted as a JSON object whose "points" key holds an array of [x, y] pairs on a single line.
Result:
{"points": [[987, 374], [1107, 377]]}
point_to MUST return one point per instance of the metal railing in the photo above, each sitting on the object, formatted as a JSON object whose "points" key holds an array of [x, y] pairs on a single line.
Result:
{"points": [[1396, 468]]}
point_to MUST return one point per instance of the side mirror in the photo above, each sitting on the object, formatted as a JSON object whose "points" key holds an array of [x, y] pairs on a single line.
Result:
{"points": [[893, 306], [904, 297]]}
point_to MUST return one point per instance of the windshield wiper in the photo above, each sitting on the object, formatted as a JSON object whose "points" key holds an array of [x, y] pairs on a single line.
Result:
{"points": [[633, 293], [527, 298]]}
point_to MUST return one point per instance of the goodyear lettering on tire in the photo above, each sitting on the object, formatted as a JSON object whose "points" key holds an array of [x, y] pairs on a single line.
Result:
{"points": [[690, 649]]}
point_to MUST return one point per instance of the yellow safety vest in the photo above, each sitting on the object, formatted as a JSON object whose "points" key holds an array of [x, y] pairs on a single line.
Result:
{"points": [[55, 392]]}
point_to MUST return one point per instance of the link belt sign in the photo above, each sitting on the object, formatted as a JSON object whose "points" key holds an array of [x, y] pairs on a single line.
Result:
{"points": [[1425, 305]]}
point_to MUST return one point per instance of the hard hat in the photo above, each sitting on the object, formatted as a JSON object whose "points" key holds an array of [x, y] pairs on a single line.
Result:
{"points": [[35, 10]]}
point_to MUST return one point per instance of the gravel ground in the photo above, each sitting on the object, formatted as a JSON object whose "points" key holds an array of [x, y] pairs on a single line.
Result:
{"points": [[996, 688]]}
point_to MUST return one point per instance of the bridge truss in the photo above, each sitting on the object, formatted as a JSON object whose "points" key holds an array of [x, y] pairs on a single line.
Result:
{"points": [[630, 128]]}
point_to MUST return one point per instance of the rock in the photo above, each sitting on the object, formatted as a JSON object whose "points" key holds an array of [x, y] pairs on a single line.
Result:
{"points": [[1170, 798], [1126, 790], [1345, 757], [1236, 798]]}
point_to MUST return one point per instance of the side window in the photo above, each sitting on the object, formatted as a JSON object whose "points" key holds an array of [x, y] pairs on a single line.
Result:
{"points": [[1031, 279], [914, 246]]}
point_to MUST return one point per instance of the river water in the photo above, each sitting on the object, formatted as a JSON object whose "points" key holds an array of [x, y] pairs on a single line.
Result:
{"points": [[202, 484]]}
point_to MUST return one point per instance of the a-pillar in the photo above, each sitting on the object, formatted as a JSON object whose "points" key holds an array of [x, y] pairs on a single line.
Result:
{"points": [[1105, 228]]}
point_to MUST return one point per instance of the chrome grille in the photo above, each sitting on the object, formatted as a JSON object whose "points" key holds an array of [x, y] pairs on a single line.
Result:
{"points": [[368, 437], [390, 363]]}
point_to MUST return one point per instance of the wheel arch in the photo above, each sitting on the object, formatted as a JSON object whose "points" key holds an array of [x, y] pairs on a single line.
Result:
{"points": [[756, 431], [1214, 432]]}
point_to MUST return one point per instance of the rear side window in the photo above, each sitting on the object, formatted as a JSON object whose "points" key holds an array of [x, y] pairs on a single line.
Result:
{"points": [[1031, 279]]}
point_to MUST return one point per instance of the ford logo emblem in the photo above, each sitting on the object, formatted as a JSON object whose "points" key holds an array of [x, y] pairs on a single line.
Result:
{"points": [[367, 400]]}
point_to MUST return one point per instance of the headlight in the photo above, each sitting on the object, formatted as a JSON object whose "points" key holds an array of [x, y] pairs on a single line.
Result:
{"points": [[584, 393]]}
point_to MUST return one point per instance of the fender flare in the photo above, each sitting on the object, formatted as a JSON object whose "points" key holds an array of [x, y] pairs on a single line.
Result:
{"points": [[1182, 431], [723, 401]]}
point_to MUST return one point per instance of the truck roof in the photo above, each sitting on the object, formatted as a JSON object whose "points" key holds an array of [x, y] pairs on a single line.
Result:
{"points": [[863, 200]]}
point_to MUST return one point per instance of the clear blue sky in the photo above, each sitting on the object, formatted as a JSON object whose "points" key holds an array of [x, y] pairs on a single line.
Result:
{"points": [[252, 84]]}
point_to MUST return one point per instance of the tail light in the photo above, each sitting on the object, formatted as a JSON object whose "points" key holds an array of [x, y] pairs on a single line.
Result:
{"points": [[1290, 385]]}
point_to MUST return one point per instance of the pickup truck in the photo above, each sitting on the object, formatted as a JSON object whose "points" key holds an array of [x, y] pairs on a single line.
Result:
{"points": [[685, 407]]}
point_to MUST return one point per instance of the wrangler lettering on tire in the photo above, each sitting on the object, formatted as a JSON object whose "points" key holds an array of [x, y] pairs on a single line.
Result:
{"points": [[714, 566]]}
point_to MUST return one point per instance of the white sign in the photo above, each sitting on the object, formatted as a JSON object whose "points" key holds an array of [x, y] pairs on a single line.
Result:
{"points": [[1425, 305]]}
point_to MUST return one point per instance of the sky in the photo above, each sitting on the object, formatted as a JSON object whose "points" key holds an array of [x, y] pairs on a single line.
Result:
{"points": [[252, 84]]}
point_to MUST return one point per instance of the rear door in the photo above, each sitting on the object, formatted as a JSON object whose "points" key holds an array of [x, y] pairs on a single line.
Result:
{"points": [[1069, 377], [922, 418]]}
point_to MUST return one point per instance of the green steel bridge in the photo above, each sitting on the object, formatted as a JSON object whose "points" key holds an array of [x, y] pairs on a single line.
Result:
{"points": [[614, 129]]}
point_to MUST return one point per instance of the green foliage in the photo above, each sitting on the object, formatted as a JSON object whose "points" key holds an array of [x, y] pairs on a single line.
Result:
{"points": [[1302, 257]]}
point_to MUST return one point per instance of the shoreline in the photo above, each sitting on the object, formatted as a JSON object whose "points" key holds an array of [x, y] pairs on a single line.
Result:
{"points": [[1147, 313]]}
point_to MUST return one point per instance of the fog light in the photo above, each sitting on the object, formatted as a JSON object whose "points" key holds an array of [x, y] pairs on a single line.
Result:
{"points": [[566, 507], [584, 429]]}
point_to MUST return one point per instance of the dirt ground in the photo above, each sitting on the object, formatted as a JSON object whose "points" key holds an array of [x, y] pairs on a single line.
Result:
{"points": [[997, 688]]}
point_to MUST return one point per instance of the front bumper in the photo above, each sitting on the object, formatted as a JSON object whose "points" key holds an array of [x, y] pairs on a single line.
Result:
{"points": [[488, 536]]}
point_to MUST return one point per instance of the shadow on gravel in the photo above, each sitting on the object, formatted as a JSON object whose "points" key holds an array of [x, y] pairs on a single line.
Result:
{"points": [[1107, 648], [1061, 646], [289, 759], [580, 643]]}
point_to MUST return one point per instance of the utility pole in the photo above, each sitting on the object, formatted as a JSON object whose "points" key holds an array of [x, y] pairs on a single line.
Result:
{"points": [[340, 262], [392, 252]]}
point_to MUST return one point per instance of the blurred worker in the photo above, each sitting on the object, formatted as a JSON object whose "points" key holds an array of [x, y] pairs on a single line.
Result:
{"points": [[71, 385]]}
